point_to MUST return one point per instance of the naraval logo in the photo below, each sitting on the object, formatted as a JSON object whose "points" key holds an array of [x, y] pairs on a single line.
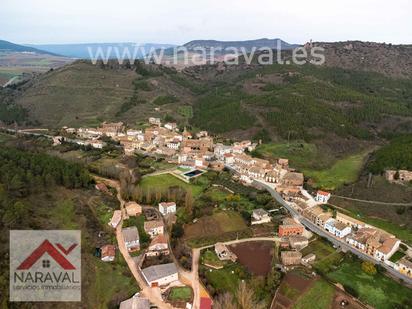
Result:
{"points": [[45, 265]]}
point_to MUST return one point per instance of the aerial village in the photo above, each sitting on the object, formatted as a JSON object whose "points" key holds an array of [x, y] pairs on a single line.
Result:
{"points": [[194, 155]]}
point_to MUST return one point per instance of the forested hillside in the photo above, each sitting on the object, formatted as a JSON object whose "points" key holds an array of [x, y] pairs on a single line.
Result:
{"points": [[270, 103], [39, 191], [396, 155]]}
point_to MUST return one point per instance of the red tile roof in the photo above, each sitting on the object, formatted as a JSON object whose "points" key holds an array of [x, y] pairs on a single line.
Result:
{"points": [[205, 303]]}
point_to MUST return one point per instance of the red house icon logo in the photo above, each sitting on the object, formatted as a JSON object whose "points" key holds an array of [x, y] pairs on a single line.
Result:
{"points": [[47, 247]]}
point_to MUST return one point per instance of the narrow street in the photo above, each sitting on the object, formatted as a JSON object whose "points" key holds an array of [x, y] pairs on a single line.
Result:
{"points": [[153, 294]]}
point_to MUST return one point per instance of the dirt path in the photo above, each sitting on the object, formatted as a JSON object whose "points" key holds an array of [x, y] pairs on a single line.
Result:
{"points": [[153, 294], [372, 202]]}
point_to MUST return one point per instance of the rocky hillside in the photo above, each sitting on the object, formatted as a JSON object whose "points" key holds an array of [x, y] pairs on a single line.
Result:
{"points": [[339, 106], [388, 59]]}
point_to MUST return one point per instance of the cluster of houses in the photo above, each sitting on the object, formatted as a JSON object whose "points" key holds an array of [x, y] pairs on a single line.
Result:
{"points": [[161, 276], [398, 176], [157, 275], [201, 152], [368, 239], [183, 148]]}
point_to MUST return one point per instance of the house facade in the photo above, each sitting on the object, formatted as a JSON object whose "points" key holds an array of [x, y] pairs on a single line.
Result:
{"points": [[131, 238], [322, 197], [154, 228], [337, 228], [166, 208], [160, 275], [260, 216], [290, 227]]}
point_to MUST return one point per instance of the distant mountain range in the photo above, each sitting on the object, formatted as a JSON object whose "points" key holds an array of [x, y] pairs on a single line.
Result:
{"points": [[6, 46], [81, 51], [247, 45]]}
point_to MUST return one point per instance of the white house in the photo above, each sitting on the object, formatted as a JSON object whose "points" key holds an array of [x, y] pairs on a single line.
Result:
{"points": [[388, 248], [133, 132], [171, 126], [260, 216], [173, 145], [337, 228], [322, 197], [166, 208], [131, 238], [229, 158], [155, 121], [154, 228], [160, 275]]}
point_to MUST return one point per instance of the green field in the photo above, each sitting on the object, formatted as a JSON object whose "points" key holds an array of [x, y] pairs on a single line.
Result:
{"points": [[325, 171], [180, 294], [342, 172], [326, 256], [319, 296], [301, 155], [111, 279], [221, 226], [209, 257], [226, 279], [165, 181], [377, 290]]}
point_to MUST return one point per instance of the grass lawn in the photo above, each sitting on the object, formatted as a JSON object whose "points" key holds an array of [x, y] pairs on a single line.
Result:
{"points": [[165, 181], [289, 291], [326, 255], [221, 226], [226, 279], [343, 171], [377, 290], [111, 279], [319, 296], [64, 214], [320, 248], [180, 294], [209, 257], [327, 172], [302, 156], [5, 137]]}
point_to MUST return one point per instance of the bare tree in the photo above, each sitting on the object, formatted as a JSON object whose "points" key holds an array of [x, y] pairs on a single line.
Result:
{"points": [[225, 301]]}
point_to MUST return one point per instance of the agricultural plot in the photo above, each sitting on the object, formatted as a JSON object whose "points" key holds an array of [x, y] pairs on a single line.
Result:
{"points": [[221, 226], [326, 255], [376, 290], [165, 181], [223, 280]]}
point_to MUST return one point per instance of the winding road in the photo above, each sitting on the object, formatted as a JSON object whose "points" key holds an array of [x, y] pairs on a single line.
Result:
{"points": [[334, 240], [152, 294]]}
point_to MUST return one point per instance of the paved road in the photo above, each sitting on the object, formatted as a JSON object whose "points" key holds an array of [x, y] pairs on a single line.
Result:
{"points": [[336, 241]]}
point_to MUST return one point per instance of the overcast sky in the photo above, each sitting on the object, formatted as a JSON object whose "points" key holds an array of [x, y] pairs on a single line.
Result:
{"points": [[179, 21]]}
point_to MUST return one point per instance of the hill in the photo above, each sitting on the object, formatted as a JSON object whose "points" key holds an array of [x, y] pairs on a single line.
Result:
{"points": [[340, 110], [18, 62], [81, 51], [6, 46], [391, 60], [247, 45]]}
